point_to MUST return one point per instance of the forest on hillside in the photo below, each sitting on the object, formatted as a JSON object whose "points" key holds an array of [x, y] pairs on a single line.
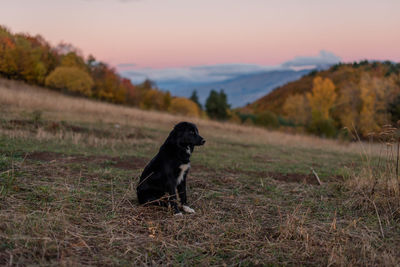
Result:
{"points": [[33, 60], [360, 98]]}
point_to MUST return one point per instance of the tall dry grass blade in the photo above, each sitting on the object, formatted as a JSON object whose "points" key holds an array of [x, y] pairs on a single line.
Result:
{"points": [[316, 176], [397, 163]]}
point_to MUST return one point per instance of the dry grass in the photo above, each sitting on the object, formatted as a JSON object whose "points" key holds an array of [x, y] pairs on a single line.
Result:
{"points": [[376, 188], [68, 177], [17, 97]]}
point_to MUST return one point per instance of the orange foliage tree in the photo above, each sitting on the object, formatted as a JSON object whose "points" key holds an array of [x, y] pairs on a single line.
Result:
{"points": [[107, 84], [184, 106]]}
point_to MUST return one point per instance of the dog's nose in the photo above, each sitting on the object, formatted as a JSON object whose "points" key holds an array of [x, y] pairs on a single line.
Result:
{"points": [[203, 141]]}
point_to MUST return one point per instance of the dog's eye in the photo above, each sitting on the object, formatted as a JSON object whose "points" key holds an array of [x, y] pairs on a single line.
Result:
{"points": [[191, 132]]}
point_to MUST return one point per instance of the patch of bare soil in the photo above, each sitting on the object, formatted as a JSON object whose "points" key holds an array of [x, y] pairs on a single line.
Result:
{"points": [[130, 163], [283, 177], [127, 163], [54, 126], [293, 177], [45, 156]]}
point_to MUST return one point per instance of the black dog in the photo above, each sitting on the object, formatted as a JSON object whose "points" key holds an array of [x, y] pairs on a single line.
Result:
{"points": [[167, 171]]}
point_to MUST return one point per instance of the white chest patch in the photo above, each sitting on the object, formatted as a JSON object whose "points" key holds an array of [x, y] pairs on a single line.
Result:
{"points": [[184, 168], [188, 151]]}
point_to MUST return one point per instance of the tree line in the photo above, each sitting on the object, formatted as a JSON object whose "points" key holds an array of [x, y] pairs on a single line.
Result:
{"points": [[347, 100]]}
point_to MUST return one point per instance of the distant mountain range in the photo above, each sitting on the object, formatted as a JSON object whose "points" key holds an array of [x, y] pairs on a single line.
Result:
{"points": [[243, 83], [240, 90]]}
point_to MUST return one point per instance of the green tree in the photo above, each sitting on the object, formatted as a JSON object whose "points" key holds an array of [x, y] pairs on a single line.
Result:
{"points": [[195, 99], [217, 105]]}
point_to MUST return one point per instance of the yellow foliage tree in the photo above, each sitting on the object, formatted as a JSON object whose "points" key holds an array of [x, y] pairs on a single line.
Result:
{"points": [[372, 95], [296, 109], [348, 106], [71, 79], [322, 98], [184, 106]]}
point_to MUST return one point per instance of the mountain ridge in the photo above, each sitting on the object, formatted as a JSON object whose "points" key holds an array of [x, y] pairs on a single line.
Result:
{"points": [[240, 90]]}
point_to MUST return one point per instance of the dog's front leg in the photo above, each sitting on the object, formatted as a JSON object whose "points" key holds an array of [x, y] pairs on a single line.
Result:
{"points": [[182, 192], [172, 200], [183, 198]]}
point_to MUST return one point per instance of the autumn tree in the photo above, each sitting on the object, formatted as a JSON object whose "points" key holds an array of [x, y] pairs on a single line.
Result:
{"points": [[376, 96], [155, 99], [8, 63], [71, 79], [72, 59], [296, 109], [184, 106], [132, 96], [322, 98], [107, 84], [348, 106]]}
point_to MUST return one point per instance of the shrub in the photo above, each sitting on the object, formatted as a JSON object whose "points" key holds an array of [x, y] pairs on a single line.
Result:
{"points": [[267, 119], [247, 117], [184, 106], [71, 79], [323, 128]]}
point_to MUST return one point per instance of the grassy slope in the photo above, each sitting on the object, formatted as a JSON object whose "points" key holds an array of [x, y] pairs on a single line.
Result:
{"points": [[69, 167]]}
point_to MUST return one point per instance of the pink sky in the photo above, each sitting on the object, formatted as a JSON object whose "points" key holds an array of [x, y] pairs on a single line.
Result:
{"points": [[176, 33]]}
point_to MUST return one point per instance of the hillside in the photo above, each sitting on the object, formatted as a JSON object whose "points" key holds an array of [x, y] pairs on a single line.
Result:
{"points": [[69, 167], [361, 90]]}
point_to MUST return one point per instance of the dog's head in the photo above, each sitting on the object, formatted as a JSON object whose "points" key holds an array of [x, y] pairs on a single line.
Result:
{"points": [[186, 134]]}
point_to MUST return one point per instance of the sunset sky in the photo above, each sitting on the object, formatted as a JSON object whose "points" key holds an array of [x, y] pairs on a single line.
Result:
{"points": [[177, 33]]}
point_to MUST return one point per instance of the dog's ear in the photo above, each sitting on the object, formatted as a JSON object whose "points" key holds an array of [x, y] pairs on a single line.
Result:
{"points": [[174, 138]]}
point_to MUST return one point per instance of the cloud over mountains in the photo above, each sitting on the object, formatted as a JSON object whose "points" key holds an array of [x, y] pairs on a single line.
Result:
{"points": [[323, 58], [220, 72]]}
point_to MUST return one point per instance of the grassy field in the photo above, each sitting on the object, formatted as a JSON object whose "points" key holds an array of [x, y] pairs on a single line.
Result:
{"points": [[69, 168]]}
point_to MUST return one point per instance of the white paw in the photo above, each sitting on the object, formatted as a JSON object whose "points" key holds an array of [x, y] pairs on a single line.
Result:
{"points": [[188, 209], [179, 214]]}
